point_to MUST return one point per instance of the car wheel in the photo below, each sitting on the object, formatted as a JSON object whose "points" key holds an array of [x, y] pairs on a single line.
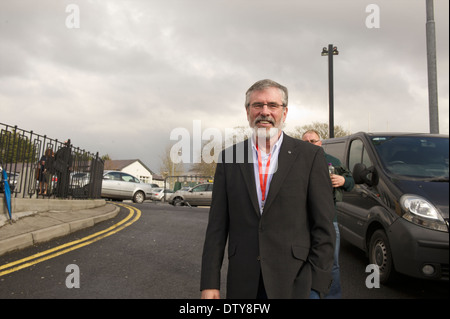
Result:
{"points": [[178, 201], [139, 197], [380, 254]]}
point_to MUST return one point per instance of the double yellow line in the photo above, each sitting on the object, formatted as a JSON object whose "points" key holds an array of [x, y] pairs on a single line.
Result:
{"points": [[62, 249]]}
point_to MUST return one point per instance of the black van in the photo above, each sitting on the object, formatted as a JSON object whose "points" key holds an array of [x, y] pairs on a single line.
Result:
{"points": [[398, 210]]}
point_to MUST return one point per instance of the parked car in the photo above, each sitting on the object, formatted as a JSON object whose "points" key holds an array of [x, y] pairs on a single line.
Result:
{"points": [[160, 194], [79, 179], [12, 180], [122, 186], [398, 210], [199, 195]]}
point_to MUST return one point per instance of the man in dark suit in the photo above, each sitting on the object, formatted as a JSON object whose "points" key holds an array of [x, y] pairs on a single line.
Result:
{"points": [[273, 202], [63, 164]]}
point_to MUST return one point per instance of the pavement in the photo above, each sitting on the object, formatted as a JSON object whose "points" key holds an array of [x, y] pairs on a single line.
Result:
{"points": [[39, 226]]}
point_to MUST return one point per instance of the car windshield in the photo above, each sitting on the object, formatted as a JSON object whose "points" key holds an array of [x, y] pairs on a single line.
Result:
{"points": [[414, 157]]}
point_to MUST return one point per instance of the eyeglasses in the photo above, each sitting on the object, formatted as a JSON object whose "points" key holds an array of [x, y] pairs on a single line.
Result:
{"points": [[312, 141], [271, 105]]}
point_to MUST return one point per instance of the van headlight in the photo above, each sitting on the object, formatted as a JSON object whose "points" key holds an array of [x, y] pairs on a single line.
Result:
{"points": [[420, 211]]}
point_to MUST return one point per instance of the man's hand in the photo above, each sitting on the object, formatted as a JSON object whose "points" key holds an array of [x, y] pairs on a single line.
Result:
{"points": [[210, 294], [337, 180]]}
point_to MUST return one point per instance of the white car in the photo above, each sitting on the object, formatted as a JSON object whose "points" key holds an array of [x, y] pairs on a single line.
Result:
{"points": [[120, 186]]}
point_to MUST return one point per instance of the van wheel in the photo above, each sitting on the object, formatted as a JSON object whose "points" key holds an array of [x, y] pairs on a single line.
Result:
{"points": [[380, 254], [139, 197]]}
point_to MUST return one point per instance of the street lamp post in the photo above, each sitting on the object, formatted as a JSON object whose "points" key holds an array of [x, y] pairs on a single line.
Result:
{"points": [[432, 72], [330, 52]]}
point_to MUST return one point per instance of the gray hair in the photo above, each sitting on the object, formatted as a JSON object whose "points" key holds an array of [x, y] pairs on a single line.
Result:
{"points": [[265, 84], [312, 131]]}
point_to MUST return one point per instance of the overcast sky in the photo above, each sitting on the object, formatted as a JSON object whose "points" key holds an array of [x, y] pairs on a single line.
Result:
{"points": [[131, 72]]}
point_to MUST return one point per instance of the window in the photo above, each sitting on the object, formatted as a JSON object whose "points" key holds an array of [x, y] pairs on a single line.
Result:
{"points": [[129, 178], [358, 154], [114, 176], [200, 188], [335, 149], [144, 179], [413, 156]]}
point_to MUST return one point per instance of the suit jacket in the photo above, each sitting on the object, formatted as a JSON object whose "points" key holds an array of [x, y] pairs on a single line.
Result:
{"points": [[291, 243]]}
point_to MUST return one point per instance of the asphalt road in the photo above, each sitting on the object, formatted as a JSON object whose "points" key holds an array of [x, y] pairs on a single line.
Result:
{"points": [[157, 256]]}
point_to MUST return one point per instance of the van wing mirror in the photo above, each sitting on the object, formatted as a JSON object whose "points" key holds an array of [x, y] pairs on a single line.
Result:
{"points": [[364, 175]]}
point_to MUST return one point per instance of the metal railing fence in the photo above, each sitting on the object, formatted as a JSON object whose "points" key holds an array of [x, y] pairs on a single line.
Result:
{"points": [[39, 166]]}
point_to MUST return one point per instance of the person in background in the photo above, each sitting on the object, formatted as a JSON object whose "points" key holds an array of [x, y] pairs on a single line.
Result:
{"points": [[342, 181], [45, 167], [63, 165], [49, 169], [41, 177]]}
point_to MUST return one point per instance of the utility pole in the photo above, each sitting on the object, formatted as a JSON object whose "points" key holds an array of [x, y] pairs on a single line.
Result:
{"points": [[432, 73], [330, 52]]}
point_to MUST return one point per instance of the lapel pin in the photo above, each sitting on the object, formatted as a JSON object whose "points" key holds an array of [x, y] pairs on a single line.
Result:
{"points": [[289, 152]]}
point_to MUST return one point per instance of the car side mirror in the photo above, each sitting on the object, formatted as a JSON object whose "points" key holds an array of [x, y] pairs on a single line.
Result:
{"points": [[106, 177], [364, 175]]}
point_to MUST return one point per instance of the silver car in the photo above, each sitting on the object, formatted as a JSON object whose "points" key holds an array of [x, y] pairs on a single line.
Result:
{"points": [[199, 195], [120, 185], [160, 194]]}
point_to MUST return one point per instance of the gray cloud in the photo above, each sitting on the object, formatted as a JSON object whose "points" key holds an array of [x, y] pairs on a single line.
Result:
{"points": [[135, 70]]}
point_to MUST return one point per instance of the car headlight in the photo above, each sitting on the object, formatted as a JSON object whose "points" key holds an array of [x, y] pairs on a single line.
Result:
{"points": [[420, 211]]}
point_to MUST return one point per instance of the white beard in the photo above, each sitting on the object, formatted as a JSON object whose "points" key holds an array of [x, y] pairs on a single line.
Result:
{"points": [[263, 133]]}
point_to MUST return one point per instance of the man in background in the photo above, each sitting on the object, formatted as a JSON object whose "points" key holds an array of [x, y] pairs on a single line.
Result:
{"points": [[341, 181]]}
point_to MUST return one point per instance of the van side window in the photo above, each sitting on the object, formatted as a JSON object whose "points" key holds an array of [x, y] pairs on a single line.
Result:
{"points": [[335, 149], [358, 154]]}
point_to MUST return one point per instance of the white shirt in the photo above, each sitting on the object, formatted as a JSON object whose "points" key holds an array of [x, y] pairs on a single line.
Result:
{"points": [[272, 167]]}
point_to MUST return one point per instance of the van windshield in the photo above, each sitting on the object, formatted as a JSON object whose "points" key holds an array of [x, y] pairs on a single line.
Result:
{"points": [[420, 157]]}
